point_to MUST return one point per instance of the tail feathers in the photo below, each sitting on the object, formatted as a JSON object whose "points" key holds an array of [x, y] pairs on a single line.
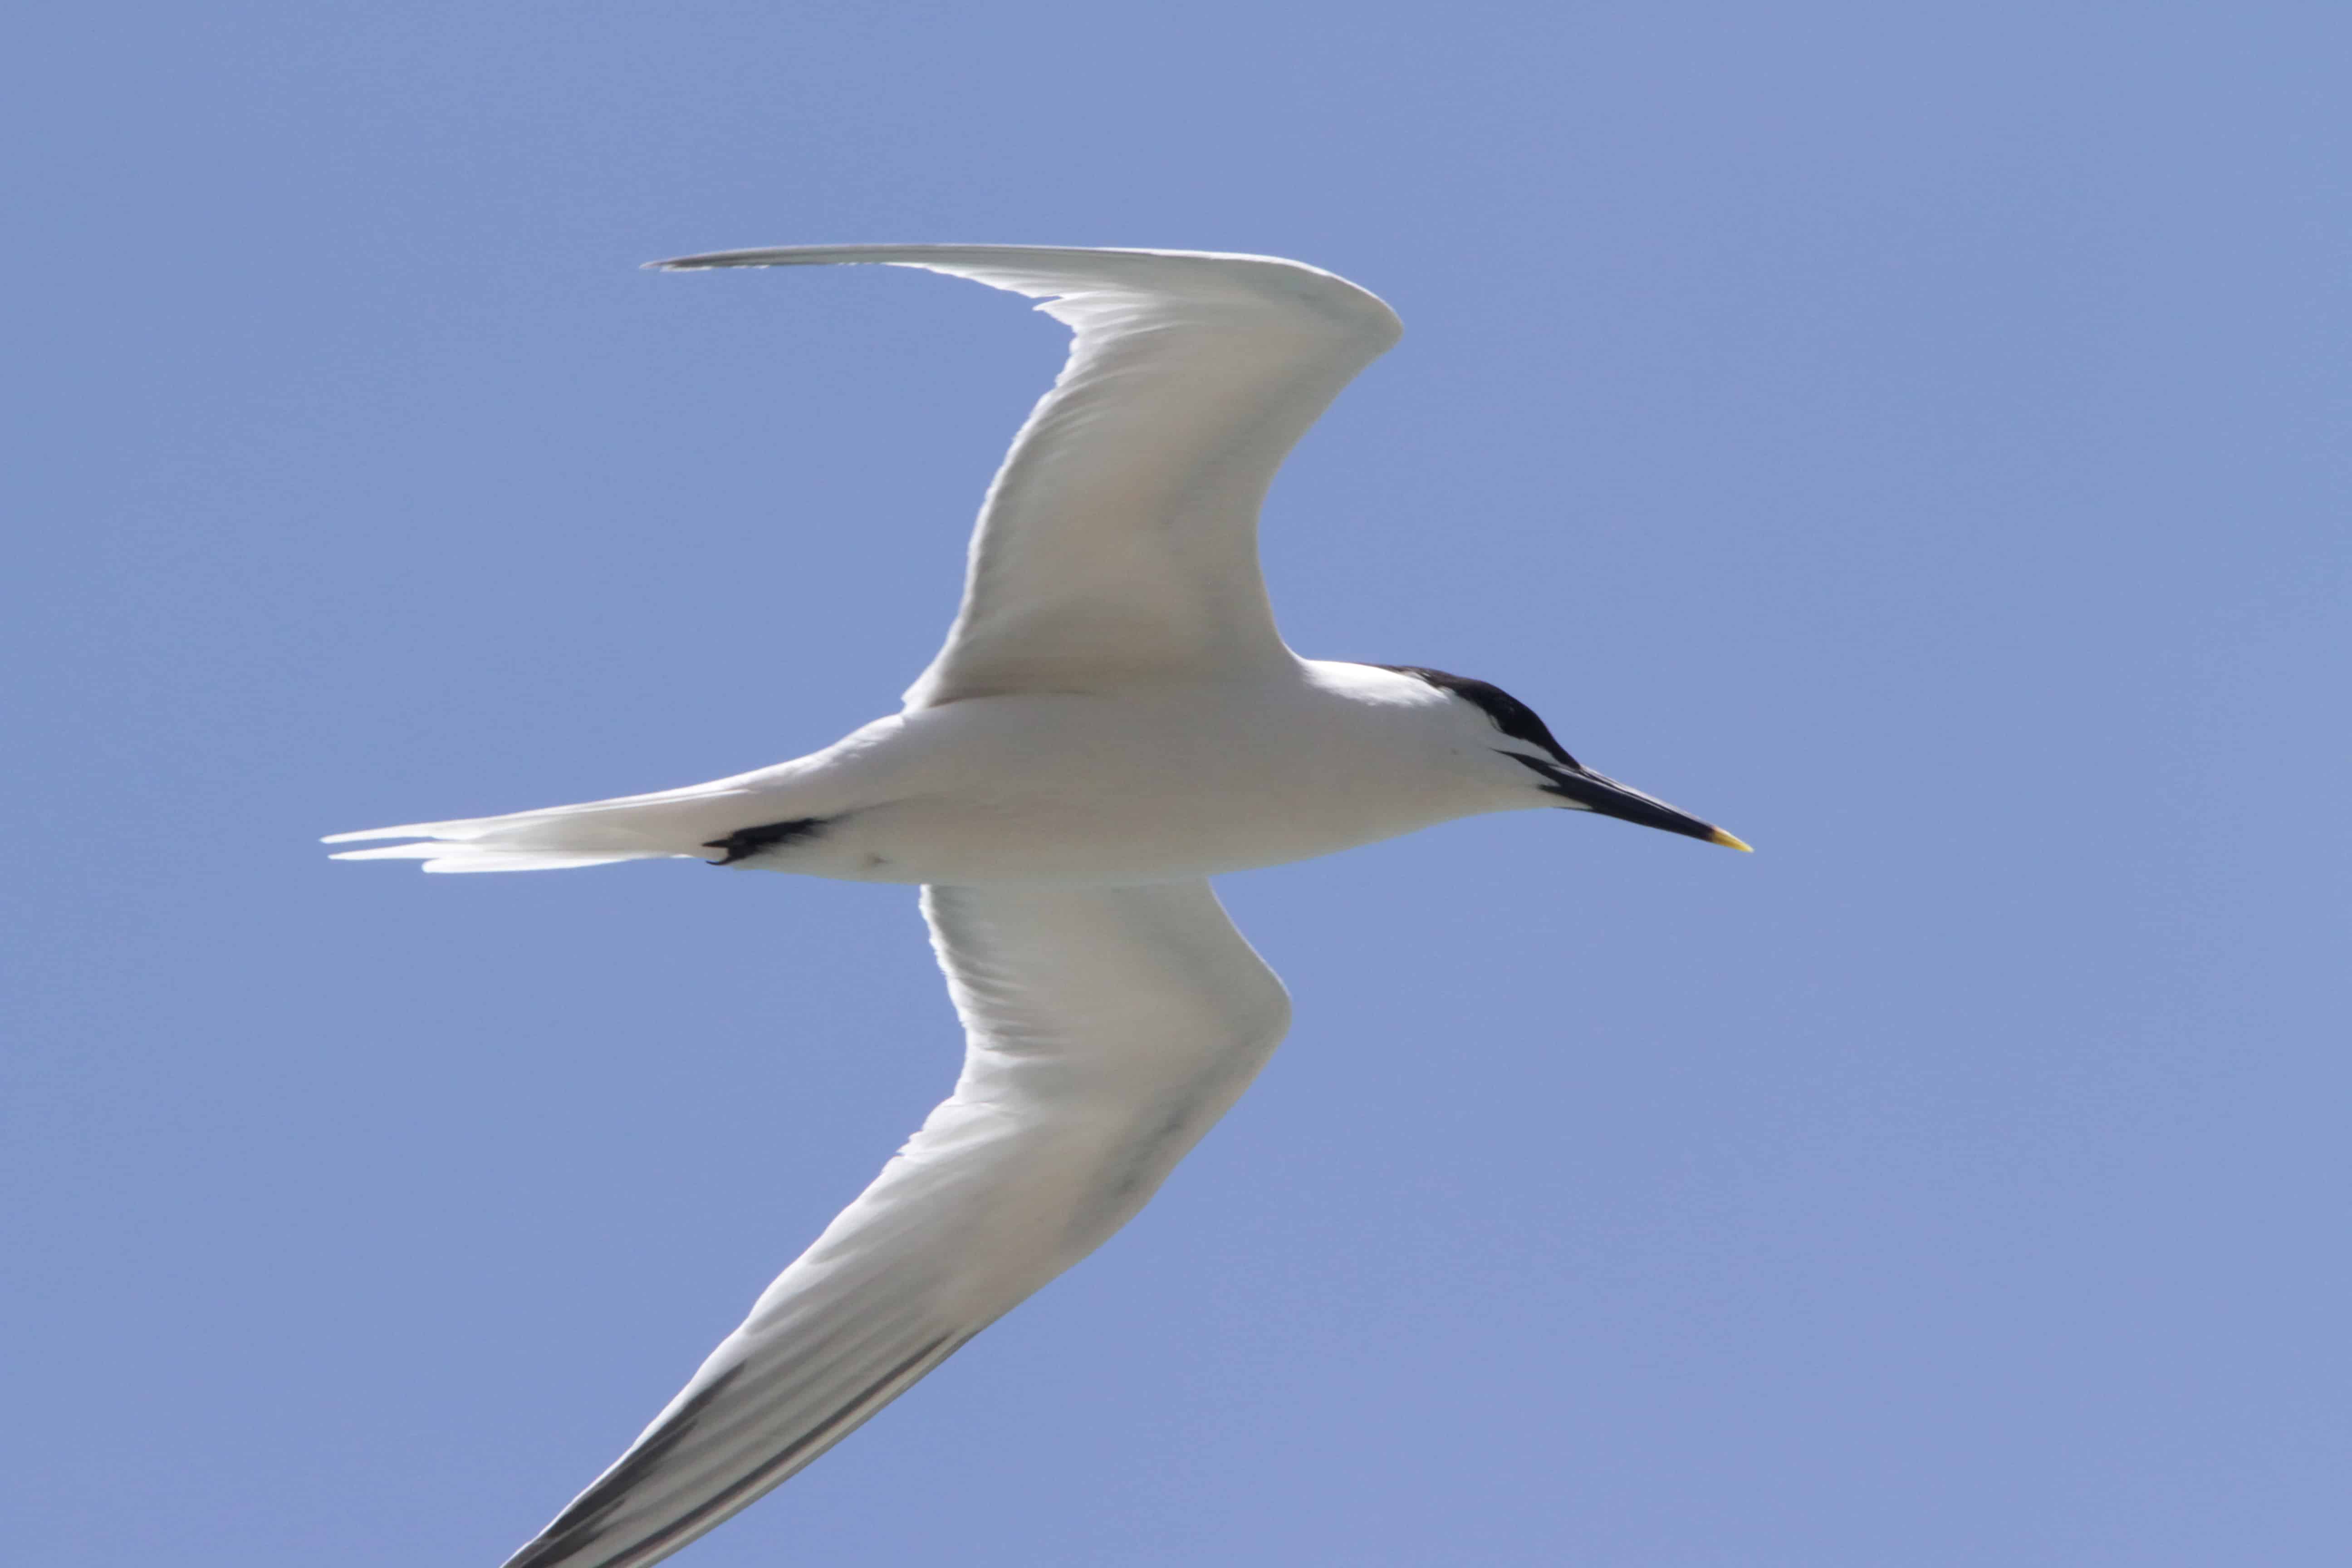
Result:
{"points": [[492, 858], [411, 831], [677, 823]]}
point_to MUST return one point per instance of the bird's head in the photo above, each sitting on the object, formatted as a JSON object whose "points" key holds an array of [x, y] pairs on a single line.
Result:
{"points": [[1512, 731]]}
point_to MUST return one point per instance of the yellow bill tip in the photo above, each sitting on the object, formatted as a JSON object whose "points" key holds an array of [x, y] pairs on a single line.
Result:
{"points": [[1730, 841]]}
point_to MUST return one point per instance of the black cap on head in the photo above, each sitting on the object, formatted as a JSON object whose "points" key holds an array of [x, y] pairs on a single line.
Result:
{"points": [[1562, 775]]}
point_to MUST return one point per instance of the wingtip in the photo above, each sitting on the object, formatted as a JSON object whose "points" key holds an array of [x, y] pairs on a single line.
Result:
{"points": [[764, 255]]}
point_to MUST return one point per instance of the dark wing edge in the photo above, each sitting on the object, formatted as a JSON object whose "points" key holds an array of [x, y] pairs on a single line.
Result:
{"points": [[1107, 1029]]}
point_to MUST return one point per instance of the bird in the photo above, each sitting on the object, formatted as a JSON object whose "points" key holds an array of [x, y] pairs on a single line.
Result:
{"points": [[1113, 719]]}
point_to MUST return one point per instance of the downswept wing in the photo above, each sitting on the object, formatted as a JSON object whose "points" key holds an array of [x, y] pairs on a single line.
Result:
{"points": [[1118, 545], [1109, 1027]]}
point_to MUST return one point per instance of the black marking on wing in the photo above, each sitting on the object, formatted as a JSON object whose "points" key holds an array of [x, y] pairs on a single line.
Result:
{"points": [[1511, 716], [578, 1526], [746, 842]]}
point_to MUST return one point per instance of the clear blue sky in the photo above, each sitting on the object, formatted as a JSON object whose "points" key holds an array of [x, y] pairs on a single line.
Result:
{"points": [[1912, 435]]}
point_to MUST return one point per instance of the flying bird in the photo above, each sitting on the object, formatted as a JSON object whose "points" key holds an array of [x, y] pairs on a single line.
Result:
{"points": [[1113, 719]]}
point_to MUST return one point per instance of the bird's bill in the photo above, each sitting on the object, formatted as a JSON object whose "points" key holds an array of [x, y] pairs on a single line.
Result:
{"points": [[1590, 791]]}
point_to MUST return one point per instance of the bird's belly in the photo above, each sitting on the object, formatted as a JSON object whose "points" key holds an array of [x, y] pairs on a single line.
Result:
{"points": [[966, 839], [1060, 788]]}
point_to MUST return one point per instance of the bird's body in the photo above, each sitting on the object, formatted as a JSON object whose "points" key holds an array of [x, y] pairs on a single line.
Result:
{"points": [[1161, 783], [1113, 719]]}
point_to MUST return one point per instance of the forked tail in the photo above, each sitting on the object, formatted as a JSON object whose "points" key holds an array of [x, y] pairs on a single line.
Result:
{"points": [[672, 824]]}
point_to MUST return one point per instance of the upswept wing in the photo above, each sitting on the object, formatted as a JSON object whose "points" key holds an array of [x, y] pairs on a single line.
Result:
{"points": [[1118, 545], [1109, 1027]]}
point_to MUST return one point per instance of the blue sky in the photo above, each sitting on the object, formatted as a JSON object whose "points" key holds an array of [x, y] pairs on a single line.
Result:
{"points": [[1911, 435]]}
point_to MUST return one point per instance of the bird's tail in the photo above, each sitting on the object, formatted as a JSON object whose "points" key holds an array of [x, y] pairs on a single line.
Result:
{"points": [[674, 823]]}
